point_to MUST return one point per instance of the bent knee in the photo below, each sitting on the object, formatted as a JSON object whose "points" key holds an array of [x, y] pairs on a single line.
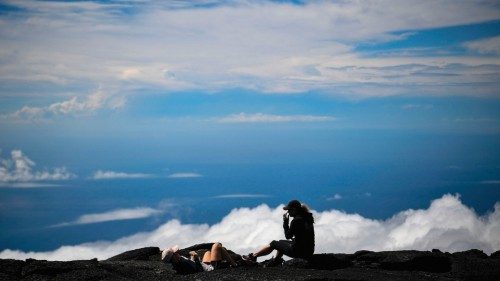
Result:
{"points": [[273, 244], [217, 245]]}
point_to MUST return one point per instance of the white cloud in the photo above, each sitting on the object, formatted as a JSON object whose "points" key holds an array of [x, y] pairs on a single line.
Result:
{"points": [[258, 45], [19, 168], [233, 196], [73, 106], [476, 120], [485, 46], [184, 175], [491, 182], [115, 215], [107, 175], [417, 106], [447, 225], [335, 197], [27, 184], [271, 118]]}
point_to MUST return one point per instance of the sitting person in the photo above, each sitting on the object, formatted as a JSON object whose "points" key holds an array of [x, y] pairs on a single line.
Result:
{"points": [[211, 259], [300, 233]]}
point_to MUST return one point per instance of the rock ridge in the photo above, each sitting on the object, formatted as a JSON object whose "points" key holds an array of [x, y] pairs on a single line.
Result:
{"points": [[144, 264]]}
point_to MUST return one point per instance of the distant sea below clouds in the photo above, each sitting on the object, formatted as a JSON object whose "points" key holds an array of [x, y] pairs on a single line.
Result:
{"points": [[85, 210]]}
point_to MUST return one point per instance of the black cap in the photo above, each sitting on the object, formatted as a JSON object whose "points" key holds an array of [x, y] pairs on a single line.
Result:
{"points": [[294, 204]]}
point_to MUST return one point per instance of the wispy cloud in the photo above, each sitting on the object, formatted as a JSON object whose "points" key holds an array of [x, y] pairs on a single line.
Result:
{"points": [[271, 118], [476, 120], [19, 168], [115, 215], [73, 106], [267, 46], [490, 182], [447, 224], [489, 46], [335, 197], [27, 184], [108, 175], [184, 175], [417, 106], [236, 196]]}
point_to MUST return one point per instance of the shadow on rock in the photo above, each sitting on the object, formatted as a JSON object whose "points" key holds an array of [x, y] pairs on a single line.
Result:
{"points": [[320, 261]]}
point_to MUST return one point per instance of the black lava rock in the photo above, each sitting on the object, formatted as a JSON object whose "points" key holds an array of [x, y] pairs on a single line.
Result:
{"points": [[495, 255], [142, 254], [416, 261], [53, 268], [320, 261], [11, 267], [471, 267], [474, 253], [144, 264]]}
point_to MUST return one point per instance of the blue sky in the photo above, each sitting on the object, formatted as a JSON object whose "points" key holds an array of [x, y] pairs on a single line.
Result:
{"points": [[356, 99], [189, 79]]}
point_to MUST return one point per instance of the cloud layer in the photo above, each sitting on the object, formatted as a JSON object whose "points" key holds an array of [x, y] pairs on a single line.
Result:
{"points": [[19, 168], [73, 106], [265, 46], [271, 118], [186, 175], [447, 224], [485, 46], [115, 215], [237, 196], [108, 175]]}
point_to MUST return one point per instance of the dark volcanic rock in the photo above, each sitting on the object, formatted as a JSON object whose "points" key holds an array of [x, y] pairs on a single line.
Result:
{"points": [[142, 254], [495, 255], [144, 265], [52, 268], [368, 259], [320, 261], [40, 270], [416, 261], [285, 274], [361, 253], [475, 265], [11, 267], [368, 256], [403, 260], [139, 270], [474, 253]]}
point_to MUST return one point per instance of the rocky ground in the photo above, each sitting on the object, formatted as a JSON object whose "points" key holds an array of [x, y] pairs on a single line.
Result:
{"points": [[144, 264]]}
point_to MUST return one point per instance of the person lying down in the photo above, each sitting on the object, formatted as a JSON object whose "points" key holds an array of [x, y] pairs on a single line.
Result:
{"points": [[215, 257]]}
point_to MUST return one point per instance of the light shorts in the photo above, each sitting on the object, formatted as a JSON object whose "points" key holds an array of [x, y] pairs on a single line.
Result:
{"points": [[207, 267]]}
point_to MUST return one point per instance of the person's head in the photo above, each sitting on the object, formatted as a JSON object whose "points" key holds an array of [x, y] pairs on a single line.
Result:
{"points": [[293, 207], [170, 254]]}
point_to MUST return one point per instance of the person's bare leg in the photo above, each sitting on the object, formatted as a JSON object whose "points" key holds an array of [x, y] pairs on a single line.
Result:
{"points": [[216, 252], [279, 255], [266, 250], [207, 257]]}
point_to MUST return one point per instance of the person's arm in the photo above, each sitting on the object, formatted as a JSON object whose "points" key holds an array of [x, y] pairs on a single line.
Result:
{"points": [[289, 229], [193, 255], [286, 227]]}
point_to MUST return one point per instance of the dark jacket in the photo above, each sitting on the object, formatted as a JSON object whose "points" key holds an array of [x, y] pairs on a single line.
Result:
{"points": [[187, 266], [301, 230]]}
